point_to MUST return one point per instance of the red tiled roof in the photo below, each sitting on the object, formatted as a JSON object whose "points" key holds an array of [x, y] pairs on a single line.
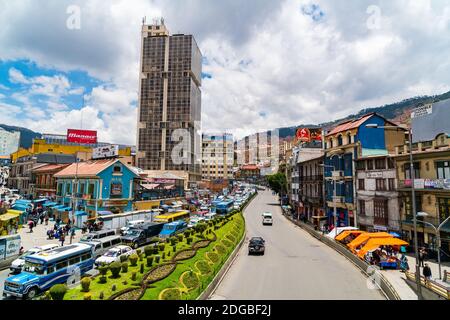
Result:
{"points": [[86, 169], [50, 167], [352, 124]]}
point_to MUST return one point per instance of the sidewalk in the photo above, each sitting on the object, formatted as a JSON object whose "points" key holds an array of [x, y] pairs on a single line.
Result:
{"points": [[39, 236]]}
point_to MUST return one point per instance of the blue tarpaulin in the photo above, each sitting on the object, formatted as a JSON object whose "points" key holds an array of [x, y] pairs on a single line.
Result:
{"points": [[80, 213], [65, 209], [396, 235], [50, 204]]}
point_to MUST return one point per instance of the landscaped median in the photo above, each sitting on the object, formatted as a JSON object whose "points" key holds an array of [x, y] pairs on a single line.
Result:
{"points": [[178, 269]]}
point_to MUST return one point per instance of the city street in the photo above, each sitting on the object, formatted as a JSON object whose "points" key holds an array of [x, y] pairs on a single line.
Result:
{"points": [[295, 265]]}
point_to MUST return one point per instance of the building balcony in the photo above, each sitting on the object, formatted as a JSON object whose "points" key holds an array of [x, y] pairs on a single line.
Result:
{"points": [[425, 184]]}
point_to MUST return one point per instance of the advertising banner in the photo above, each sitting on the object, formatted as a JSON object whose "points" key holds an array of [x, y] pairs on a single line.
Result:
{"points": [[81, 136], [308, 135], [105, 152]]}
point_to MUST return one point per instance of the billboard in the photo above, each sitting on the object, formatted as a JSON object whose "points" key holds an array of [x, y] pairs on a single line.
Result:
{"points": [[81, 136], [308, 135], [105, 152], [430, 120]]}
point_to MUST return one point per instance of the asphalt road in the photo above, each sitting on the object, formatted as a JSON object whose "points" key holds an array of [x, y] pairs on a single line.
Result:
{"points": [[296, 266]]}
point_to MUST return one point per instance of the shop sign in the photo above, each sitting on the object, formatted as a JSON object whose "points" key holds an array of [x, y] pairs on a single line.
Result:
{"points": [[422, 111], [382, 228], [116, 189], [419, 183], [112, 203], [374, 174], [105, 152], [161, 181], [81, 136]]}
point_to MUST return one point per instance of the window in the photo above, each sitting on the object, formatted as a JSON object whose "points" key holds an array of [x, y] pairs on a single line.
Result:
{"points": [[117, 169], [408, 171], [362, 207], [390, 163], [116, 190], [369, 164], [380, 211], [361, 184], [361, 165], [391, 184], [443, 169], [349, 138], [380, 184], [68, 188], [444, 208], [61, 265], [408, 206], [85, 257], [340, 140], [380, 164], [91, 190], [82, 188], [74, 260]]}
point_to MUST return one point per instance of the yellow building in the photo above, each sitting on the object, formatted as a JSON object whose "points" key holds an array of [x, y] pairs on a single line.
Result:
{"points": [[432, 185]]}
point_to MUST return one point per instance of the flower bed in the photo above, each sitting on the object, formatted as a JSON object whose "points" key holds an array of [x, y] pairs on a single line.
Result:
{"points": [[170, 294], [160, 272], [213, 257], [203, 267], [201, 244], [184, 255], [129, 294], [190, 280]]}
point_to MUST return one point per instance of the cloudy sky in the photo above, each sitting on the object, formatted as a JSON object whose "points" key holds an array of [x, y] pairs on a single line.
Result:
{"points": [[267, 63]]}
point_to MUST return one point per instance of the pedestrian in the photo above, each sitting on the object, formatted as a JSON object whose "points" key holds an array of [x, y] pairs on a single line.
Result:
{"points": [[72, 234], [41, 217], [427, 273], [46, 218], [31, 225], [421, 257], [62, 238]]}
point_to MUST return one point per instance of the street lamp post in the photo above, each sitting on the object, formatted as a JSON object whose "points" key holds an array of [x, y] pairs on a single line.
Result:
{"points": [[334, 194], [413, 196], [437, 230]]}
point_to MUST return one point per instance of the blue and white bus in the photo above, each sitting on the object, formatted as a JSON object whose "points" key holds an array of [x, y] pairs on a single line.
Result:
{"points": [[224, 207], [43, 270]]}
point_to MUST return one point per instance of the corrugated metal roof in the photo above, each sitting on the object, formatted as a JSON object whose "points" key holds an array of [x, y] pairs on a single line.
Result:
{"points": [[352, 124], [88, 168]]}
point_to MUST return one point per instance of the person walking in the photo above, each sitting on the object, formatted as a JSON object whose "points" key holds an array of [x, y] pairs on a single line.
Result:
{"points": [[421, 257], [427, 273], [46, 218], [72, 234], [62, 238], [31, 225]]}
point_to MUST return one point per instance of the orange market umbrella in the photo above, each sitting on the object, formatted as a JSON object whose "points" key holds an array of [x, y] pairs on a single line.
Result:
{"points": [[364, 237], [374, 243], [345, 234]]}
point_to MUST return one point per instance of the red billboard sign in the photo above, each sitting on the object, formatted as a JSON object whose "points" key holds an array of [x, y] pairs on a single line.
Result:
{"points": [[308, 135], [81, 136]]}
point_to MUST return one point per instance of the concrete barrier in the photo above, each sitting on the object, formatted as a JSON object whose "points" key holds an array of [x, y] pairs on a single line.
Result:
{"points": [[385, 286]]}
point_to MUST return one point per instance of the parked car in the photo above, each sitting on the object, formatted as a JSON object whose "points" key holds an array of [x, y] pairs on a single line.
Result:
{"points": [[16, 265], [100, 246], [267, 218], [131, 224], [142, 234], [172, 228], [256, 245], [113, 255], [97, 235]]}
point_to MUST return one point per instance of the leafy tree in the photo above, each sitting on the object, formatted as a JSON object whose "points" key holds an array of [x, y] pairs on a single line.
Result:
{"points": [[278, 182]]}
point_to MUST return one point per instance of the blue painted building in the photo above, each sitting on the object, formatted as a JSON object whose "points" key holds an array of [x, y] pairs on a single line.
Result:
{"points": [[102, 185], [344, 144]]}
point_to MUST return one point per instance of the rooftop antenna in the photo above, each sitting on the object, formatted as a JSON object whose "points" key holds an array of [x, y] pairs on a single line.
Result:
{"points": [[144, 20], [162, 20]]}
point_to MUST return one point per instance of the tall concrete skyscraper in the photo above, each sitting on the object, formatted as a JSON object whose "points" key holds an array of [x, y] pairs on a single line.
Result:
{"points": [[169, 113]]}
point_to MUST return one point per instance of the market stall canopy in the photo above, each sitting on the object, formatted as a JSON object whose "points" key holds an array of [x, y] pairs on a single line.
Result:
{"points": [[345, 234], [333, 233], [8, 216], [363, 238], [65, 209], [80, 213], [170, 187], [395, 234], [375, 243], [104, 213], [150, 186], [50, 204], [16, 212]]}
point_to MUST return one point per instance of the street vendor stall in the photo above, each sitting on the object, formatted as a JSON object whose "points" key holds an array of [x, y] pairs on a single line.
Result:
{"points": [[364, 237], [9, 223], [348, 236], [388, 258]]}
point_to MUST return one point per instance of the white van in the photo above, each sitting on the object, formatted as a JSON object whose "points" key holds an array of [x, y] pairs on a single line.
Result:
{"points": [[100, 246], [267, 218], [131, 224], [16, 265]]}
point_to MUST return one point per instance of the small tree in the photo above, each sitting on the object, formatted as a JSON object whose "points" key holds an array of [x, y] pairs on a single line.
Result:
{"points": [[115, 269], [148, 251], [149, 261], [157, 258], [123, 258], [133, 276], [161, 246], [87, 296], [85, 284], [180, 237], [141, 270], [133, 259], [58, 291], [124, 267]]}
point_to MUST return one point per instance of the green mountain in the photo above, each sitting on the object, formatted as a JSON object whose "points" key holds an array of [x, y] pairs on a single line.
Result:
{"points": [[26, 135]]}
